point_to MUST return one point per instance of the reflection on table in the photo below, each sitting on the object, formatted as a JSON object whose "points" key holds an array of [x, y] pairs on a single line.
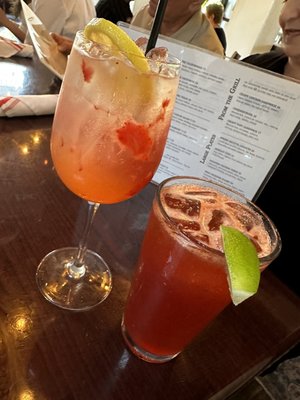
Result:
{"points": [[19, 76]]}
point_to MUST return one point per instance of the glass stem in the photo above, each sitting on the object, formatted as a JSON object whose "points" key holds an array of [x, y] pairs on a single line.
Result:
{"points": [[77, 269]]}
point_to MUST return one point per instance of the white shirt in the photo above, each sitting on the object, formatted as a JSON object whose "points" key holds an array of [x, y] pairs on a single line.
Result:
{"points": [[64, 17]]}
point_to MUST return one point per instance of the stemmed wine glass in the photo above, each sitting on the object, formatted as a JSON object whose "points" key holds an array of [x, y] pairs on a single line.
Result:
{"points": [[108, 136]]}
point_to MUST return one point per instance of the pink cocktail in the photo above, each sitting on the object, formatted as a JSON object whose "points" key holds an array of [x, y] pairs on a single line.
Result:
{"points": [[109, 133], [111, 124]]}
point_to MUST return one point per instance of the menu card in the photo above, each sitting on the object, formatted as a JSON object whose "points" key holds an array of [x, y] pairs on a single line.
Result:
{"points": [[45, 46], [232, 122]]}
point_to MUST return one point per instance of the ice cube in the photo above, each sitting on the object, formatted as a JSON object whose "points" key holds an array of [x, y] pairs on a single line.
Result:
{"points": [[158, 54], [218, 218], [198, 238], [205, 195], [247, 218], [187, 206], [184, 224], [141, 42], [158, 62], [208, 193]]}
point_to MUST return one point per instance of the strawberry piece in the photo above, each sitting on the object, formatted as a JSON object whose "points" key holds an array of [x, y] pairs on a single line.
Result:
{"points": [[165, 103], [87, 71], [161, 115], [136, 138]]}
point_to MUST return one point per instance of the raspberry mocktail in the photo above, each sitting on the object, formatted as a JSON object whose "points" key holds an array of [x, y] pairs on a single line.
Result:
{"points": [[181, 282]]}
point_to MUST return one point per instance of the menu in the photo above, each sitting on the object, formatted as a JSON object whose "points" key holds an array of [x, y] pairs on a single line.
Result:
{"points": [[232, 122], [45, 46]]}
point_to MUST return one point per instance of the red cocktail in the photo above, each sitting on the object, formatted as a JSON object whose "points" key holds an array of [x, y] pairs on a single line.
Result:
{"points": [[181, 283]]}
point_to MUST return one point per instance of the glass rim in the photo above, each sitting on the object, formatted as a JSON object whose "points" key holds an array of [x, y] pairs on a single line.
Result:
{"points": [[170, 61], [276, 243]]}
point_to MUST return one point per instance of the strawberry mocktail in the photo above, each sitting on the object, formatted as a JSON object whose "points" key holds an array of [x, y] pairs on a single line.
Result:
{"points": [[111, 123], [109, 131], [181, 283]]}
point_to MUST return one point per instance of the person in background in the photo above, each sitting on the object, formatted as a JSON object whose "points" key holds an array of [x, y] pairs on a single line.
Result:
{"points": [[64, 17], [280, 197], [114, 10], [285, 60], [12, 26], [184, 21], [214, 13]]}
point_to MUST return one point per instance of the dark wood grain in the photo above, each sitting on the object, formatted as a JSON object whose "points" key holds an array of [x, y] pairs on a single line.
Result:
{"points": [[50, 354]]}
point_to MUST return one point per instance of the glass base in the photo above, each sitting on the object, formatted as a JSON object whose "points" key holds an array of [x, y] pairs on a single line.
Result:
{"points": [[143, 354], [73, 288]]}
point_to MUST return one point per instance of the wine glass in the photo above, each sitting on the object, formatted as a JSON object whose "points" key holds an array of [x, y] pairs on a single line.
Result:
{"points": [[108, 136]]}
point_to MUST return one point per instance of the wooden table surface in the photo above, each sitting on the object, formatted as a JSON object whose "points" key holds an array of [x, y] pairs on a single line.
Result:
{"points": [[47, 353]]}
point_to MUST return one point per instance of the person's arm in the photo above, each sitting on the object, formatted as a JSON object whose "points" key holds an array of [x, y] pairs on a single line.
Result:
{"points": [[12, 26]]}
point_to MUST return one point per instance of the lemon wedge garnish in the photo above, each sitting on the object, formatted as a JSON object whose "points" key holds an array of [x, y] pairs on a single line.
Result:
{"points": [[242, 264], [104, 32]]}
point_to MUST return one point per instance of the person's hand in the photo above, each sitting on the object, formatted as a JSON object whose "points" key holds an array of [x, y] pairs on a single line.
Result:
{"points": [[64, 44]]}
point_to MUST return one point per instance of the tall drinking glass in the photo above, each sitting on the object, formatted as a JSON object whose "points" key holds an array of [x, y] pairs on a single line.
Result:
{"points": [[181, 284], [108, 136]]}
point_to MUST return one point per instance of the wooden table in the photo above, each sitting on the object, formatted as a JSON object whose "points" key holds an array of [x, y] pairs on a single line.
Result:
{"points": [[26, 76], [47, 353]]}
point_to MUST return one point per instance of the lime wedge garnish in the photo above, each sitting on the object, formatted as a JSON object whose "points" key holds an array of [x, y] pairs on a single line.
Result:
{"points": [[105, 32], [242, 264]]}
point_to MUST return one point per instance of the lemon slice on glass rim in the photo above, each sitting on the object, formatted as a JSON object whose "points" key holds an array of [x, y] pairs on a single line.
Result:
{"points": [[242, 264], [105, 32]]}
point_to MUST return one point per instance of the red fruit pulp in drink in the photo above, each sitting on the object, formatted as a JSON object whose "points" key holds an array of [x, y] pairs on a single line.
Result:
{"points": [[172, 301]]}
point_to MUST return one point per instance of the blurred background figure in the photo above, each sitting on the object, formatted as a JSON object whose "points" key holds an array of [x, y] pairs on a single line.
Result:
{"points": [[282, 184], [286, 59], [215, 13], [183, 20], [114, 10], [64, 17], [11, 18]]}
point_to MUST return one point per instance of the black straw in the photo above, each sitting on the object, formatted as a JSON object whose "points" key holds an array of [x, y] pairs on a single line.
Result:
{"points": [[158, 18]]}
